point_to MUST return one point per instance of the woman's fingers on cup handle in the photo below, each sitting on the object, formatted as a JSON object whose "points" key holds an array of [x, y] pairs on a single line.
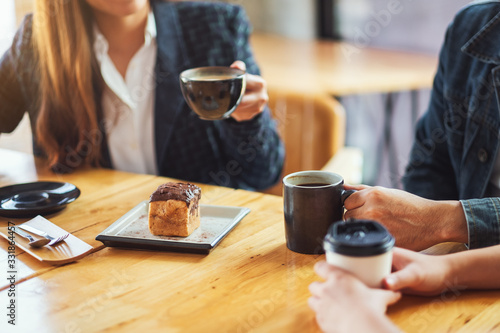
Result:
{"points": [[239, 64], [356, 187]]}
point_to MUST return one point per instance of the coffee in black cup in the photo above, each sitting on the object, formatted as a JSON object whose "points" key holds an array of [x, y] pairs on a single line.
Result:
{"points": [[213, 92]]}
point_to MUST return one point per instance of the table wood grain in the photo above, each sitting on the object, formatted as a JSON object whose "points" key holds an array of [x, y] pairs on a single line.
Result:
{"points": [[249, 282]]}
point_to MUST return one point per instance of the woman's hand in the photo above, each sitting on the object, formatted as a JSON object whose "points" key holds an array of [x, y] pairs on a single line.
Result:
{"points": [[419, 274], [344, 304], [415, 222], [255, 98]]}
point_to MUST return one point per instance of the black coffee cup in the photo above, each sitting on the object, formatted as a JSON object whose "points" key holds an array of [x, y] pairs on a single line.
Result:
{"points": [[213, 92], [313, 200]]}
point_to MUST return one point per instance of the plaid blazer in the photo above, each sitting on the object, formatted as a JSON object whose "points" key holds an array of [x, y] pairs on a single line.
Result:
{"points": [[246, 155]]}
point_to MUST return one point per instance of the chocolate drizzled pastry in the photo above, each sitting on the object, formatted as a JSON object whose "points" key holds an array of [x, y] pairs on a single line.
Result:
{"points": [[176, 191], [174, 209]]}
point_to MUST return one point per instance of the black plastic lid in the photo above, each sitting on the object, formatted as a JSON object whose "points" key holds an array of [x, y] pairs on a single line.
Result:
{"points": [[358, 238]]}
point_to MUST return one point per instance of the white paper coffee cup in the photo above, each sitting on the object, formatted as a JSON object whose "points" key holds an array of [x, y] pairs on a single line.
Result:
{"points": [[362, 247]]}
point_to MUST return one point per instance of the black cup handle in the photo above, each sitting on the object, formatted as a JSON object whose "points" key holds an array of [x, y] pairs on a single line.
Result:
{"points": [[346, 194]]}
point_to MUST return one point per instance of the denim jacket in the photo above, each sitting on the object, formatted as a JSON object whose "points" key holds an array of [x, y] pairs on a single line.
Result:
{"points": [[457, 140]]}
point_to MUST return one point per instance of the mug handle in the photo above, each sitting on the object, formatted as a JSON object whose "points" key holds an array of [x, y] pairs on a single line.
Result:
{"points": [[346, 194]]}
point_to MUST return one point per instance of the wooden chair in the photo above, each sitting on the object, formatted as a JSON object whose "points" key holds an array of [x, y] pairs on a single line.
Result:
{"points": [[312, 127]]}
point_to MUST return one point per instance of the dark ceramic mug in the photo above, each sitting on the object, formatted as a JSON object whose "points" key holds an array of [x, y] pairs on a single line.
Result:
{"points": [[313, 200], [213, 92]]}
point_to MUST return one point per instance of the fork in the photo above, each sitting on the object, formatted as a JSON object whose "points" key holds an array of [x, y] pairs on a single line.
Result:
{"points": [[33, 242], [53, 240]]}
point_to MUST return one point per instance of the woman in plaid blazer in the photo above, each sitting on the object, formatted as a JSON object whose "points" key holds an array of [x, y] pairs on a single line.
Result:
{"points": [[52, 72]]}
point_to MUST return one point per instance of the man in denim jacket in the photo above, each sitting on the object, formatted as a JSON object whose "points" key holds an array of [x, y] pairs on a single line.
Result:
{"points": [[454, 163]]}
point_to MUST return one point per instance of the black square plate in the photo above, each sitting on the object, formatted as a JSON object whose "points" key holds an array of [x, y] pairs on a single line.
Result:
{"points": [[132, 231]]}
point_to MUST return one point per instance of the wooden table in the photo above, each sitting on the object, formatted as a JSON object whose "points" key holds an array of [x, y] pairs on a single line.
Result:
{"points": [[339, 68], [249, 282]]}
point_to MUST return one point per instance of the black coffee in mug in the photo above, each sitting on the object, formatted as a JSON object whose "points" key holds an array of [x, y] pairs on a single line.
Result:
{"points": [[213, 92], [313, 200], [314, 184]]}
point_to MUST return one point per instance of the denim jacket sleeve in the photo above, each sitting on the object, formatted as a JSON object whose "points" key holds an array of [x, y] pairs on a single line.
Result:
{"points": [[483, 221]]}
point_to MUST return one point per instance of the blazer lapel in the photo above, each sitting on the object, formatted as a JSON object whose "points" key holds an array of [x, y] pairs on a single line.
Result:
{"points": [[171, 60]]}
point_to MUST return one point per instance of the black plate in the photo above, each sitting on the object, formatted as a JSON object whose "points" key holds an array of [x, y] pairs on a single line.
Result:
{"points": [[131, 230], [38, 198]]}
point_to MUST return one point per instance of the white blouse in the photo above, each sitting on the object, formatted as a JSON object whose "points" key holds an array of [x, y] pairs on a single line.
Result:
{"points": [[128, 105]]}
